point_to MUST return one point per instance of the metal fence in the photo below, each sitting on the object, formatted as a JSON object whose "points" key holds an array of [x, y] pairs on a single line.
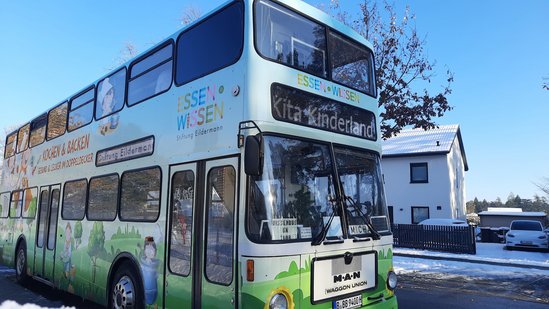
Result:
{"points": [[455, 239]]}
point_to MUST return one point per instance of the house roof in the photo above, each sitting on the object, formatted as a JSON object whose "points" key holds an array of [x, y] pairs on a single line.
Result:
{"points": [[419, 142], [513, 214]]}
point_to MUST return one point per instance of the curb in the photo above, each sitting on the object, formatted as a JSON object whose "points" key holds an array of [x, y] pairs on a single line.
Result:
{"points": [[471, 261]]}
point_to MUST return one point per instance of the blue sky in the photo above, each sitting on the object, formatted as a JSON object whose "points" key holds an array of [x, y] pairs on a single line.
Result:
{"points": [[498, 51]]}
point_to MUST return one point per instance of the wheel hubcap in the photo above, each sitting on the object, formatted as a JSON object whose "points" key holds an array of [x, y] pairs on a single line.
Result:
{"points": [[123, 293], [20, 262]]}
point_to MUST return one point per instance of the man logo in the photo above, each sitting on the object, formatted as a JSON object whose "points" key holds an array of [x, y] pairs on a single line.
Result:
{"points": [[347, 277]]}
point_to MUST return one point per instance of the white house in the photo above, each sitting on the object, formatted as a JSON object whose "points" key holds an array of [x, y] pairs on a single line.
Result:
{"points": [[424, 174]]}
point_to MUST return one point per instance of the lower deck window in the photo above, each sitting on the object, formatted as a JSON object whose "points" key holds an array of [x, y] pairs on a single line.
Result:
{"points": [[140, 195], [219, 233], [29, 203], [182, 201], [16, 204], [4, 204], [103, 198], [74, 199]]}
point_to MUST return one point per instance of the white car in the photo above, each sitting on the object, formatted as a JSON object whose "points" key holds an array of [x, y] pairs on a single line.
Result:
{"points": [[526, 234], [443, 221]]}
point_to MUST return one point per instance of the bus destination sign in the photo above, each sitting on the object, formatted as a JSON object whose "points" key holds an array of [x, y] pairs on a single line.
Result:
{"points": [[128, 151], [307, 109]]}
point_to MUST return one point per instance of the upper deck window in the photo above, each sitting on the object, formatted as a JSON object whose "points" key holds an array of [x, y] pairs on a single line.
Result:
{"points": [[57, 121], [110, 96], [210, 45], [351, 64], [9, 149], [38, 130], [292, 39], [289, 38], [81, 109], [151, 75], [23, 138]]}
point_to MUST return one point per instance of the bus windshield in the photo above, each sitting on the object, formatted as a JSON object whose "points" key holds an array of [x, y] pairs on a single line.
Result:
{"points": [[296, 194], [361, 184]]}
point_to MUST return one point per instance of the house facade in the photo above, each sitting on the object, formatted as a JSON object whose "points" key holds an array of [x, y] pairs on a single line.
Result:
{"points": [[424, 174]]}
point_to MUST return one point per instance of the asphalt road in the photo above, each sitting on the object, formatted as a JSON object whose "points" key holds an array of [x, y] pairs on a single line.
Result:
{"points": [[441, 298], [417, 290], [421, 290], [34, 292]]}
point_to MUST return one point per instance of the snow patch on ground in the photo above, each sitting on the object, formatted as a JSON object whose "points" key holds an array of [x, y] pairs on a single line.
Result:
{"points": [[486, 252], [10, 304], [406, 265]]}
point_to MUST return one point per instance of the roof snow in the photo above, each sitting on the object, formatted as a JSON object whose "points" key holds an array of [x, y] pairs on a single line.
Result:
{"points": [[513, 214], [412, 142]]}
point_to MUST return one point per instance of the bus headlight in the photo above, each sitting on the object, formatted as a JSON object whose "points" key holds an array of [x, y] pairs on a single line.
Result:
{"points": [[278, 301], [391, 280]]}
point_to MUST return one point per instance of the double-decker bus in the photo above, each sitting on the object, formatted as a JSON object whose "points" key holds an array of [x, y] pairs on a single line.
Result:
{"points": [[235, 164]]}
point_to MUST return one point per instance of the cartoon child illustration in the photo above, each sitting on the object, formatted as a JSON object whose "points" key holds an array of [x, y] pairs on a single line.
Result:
{"points": [[23, 171], [106, 96], [11, 172], [149, 265], [150, 251], [67, 252]]}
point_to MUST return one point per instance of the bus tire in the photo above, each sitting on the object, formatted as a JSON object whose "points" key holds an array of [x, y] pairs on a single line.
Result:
{"points": [[126, 291], [21, 263]]}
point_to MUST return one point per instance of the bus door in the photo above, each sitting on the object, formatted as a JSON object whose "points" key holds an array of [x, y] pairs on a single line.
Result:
{"points": [[201, 259], [44, 252]]}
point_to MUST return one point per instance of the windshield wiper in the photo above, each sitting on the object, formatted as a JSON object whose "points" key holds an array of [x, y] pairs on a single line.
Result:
{"points": [[325, 227], [365, 217]]}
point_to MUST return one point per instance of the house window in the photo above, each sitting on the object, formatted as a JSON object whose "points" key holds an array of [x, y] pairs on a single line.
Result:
{"points": [[419, 214], [419, 173]]}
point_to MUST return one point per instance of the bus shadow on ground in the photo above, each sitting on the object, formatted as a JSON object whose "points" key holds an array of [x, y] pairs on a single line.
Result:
{"points": [[45, 295]]}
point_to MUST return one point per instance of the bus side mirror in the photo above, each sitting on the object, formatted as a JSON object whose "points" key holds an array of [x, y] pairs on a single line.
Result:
{"points": [[252, 156]]}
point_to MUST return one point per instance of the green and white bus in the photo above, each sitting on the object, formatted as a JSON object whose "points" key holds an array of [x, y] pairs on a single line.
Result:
{"points": [[235, 164]]}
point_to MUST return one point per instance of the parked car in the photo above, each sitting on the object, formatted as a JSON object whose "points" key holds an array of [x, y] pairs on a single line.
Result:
{"points": [[443, 221], [526, 234]]}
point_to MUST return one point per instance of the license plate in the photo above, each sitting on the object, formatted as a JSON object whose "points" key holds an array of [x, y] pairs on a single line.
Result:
{"points": [[348, 303], [525, 242]]}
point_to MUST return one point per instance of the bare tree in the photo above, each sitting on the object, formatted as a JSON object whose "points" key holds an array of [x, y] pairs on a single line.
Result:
{"points": [[544, 185], [190, 14], [127, 52], [403, 68]]}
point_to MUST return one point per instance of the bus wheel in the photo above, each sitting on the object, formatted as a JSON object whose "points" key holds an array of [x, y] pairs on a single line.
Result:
{"points": [[125, 290], [21, 263]]}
